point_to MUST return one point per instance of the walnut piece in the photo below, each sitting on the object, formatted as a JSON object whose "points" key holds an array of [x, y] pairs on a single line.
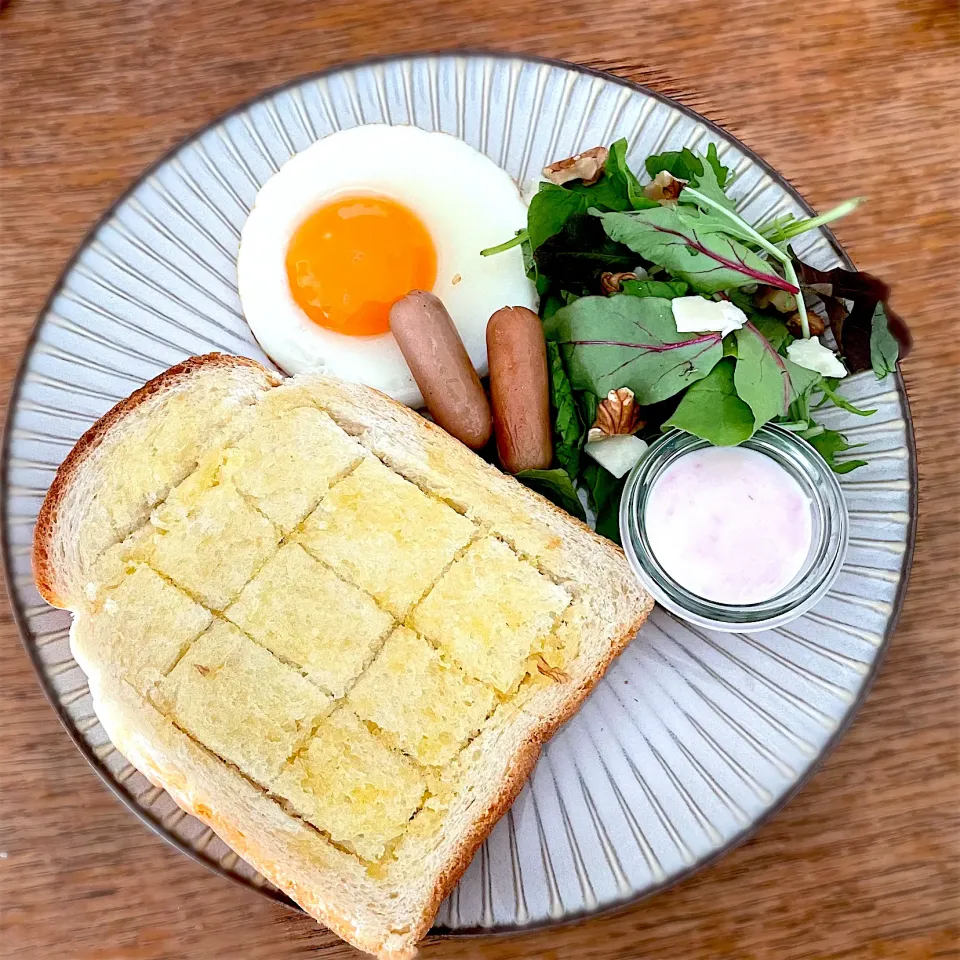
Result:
{"points": [[587, 166], [664, 187], [817, 325], [781, 300], [613, 282], [617, 415]]}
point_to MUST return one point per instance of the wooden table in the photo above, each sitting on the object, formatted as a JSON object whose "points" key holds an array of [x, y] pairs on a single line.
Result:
{"points": [[845, 98]]}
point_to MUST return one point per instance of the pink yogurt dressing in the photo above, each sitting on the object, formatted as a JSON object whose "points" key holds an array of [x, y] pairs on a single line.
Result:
{"points": [[729, 524]]}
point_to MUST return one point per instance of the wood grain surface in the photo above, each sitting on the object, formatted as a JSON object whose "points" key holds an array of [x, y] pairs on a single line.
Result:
{"points": [[845, 98]]}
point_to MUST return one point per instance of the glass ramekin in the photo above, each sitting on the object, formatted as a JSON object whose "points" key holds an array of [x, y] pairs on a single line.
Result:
{"points": [[827, 549]]}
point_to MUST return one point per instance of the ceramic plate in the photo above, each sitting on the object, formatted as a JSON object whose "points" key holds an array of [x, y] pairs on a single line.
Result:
{"points": [[693, 738]]}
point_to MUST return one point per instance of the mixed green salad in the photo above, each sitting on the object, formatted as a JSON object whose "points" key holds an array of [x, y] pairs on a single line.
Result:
{"points": [[662, 308]]}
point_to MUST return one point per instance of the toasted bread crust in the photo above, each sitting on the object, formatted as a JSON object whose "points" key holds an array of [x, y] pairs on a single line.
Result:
{"points": [[44, 570], [520, 769], [220, 797]]}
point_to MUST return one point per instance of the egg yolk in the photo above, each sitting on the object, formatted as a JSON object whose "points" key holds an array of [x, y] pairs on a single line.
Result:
{"points": [[351, 259]]}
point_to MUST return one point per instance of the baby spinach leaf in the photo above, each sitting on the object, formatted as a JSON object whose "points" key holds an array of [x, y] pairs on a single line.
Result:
{"points": [[799, 411], [766, 381], [802, 380], [774, 330], [580, 251], [687, 165], [623, 341], [695, 247], [683, 164], [588, 403], [667, 289], [711, 409], [599, 483], [567, 432], [549, 210], [556, 486], [618, 188], [884, 348], [608, 516], [761, 376], [828, 444], [529, 267], [604, 491], [620, 173], [550, 303]]}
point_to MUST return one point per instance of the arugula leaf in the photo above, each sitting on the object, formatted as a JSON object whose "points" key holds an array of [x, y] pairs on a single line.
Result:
{"points": [[711, 409], [708, 182], [623, 341], [828, 387], [693, 246], [556, 486], [828, 444], [604, 491], [720, 172], [618, 188], [667, 289], [884, 349], [550, 208], [580, 251], [567, 432]]}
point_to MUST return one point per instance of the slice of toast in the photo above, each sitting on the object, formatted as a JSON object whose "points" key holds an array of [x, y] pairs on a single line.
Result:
{"points": [[326, 628]]}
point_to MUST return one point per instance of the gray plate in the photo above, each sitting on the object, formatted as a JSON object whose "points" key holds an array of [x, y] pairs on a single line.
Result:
{"points": [[693, 738]]}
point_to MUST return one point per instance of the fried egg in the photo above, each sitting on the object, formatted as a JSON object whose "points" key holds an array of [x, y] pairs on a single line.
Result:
{"points": [[357, 220]]}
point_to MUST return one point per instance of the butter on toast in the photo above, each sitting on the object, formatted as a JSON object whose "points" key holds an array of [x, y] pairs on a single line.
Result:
{"points": [[326, 628]]}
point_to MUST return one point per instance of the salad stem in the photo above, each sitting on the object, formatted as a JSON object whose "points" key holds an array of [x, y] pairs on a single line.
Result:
{"points": [[506, 245], [791, 273], [764, 244], [795, 229]]}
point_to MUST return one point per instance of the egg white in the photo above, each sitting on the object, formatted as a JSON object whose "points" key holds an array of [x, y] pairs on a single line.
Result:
{"points": [[465, 201]]}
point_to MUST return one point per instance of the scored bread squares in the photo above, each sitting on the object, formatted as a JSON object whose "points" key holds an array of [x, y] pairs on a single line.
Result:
{"points": [[328, 630]]}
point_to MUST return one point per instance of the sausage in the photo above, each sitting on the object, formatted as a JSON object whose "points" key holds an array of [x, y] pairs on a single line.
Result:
{"points": [[439, 363], [519, 389]]}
